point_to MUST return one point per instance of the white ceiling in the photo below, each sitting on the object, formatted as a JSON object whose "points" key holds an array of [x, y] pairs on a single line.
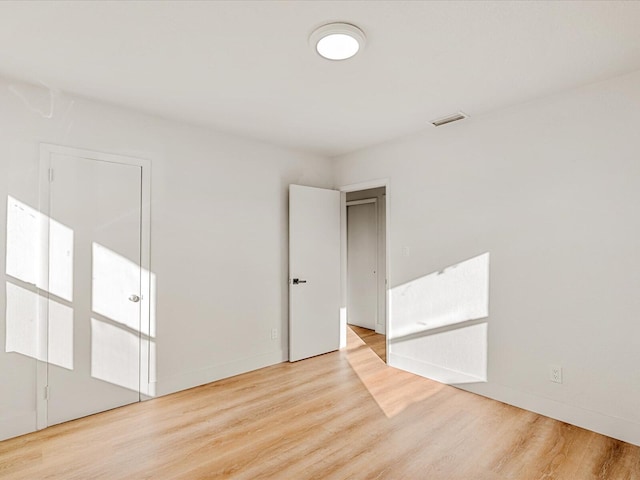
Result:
{"points": [[246, 67]]}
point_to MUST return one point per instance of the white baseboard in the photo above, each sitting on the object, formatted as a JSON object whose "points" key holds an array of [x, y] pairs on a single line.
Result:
{"points": [[611, 426], [22, 423], [429, 370], [183, 381]]}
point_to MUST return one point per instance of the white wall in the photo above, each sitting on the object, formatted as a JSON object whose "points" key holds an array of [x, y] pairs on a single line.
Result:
{"points": [[219, 234], [550, 189]]}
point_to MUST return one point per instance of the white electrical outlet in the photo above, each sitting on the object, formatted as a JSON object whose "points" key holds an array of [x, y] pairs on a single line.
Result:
{"points": [[555, 373], [274, 334], [405, 251]]}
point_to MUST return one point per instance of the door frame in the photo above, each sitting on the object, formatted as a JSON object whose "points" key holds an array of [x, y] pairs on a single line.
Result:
{"points": [[354, 187], [353, 203], [147, 307]]}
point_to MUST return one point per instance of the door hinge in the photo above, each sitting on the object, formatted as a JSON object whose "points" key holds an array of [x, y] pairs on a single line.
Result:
{"points": [[46, 392], [50, 175]]}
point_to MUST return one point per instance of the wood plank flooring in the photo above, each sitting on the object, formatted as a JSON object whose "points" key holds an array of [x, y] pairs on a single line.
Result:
{"points": [[375, 341], [343, 415]]}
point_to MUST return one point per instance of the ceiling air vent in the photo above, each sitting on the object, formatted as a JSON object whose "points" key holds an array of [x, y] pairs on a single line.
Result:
{"points": [[448, 119]]}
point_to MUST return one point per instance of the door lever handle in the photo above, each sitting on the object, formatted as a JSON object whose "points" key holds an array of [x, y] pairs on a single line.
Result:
{"points": [[297, 281]]}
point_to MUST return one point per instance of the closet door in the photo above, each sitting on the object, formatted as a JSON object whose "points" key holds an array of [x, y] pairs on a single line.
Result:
{"points": [[94, 291]]}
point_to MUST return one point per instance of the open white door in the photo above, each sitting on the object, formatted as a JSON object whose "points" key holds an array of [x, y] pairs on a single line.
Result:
{"points": [[314, 271]]}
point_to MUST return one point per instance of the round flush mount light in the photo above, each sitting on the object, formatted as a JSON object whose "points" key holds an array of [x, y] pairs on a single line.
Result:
{"points": [[337, 41]]}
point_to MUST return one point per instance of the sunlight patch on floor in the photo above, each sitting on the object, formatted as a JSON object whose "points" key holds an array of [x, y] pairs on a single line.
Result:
{"points": [[374, 375]]}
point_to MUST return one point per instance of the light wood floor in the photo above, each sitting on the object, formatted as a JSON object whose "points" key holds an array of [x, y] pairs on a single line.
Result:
{"points": [[344, 415], [375, 341]]}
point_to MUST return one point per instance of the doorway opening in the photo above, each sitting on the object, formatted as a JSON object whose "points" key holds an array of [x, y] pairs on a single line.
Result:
{"points": [[365, 266]]}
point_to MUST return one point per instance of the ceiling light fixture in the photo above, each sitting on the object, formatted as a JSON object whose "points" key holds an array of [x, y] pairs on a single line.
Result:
{"points": [[337, 41]]}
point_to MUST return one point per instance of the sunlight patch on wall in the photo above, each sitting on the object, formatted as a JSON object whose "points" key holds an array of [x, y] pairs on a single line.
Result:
{"points": [[114, 355], [60, 333], [26, 331], [343, 327], [24, 242], [148, 283], [452, 356], [60, 260], [148, 367], [456, 294], [27, 231], [115, 278], [22, 328], [434, 330], [43, 328]]}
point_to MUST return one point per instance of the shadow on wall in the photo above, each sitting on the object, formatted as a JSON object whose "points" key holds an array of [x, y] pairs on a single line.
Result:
{"points": [[439, 328], [118, 338]]}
